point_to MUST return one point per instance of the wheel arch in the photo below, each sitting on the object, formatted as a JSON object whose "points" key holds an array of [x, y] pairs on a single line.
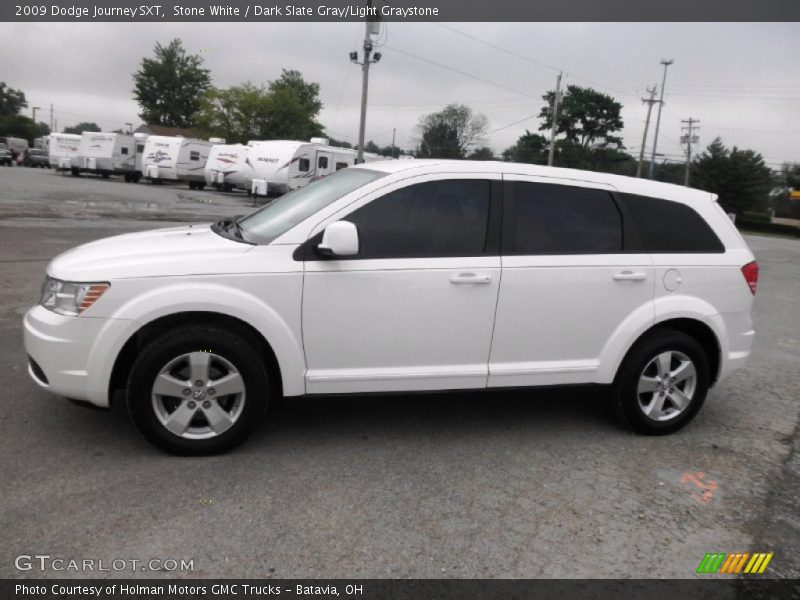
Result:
{"points": [[147, 332], [697, 329]]}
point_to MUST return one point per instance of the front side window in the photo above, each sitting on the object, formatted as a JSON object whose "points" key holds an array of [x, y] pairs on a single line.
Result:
{"points": [[280, 215], [436, 218], [561, 219]]}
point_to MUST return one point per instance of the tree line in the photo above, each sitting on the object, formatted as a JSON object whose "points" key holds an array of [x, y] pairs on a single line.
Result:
{"points": [[174, 89]]}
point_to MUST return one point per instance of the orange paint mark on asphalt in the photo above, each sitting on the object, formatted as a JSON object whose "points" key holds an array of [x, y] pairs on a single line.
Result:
{"points": [[698, 479]]}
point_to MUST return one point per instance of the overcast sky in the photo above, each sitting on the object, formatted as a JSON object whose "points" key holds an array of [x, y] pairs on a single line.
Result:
{"points": [[740, 80]]}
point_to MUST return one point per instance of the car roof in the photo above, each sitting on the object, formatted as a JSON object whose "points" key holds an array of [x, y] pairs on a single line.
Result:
{"points": [[629, 185]]}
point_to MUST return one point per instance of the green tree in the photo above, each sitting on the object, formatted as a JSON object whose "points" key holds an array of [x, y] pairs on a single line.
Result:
{"points": [[82, 126], [372, 147], [740, 178], [788, 176], [20, 126], [169, 87], [284, 109], [585, 117], [530, 148], [482, 153], [451, 132], [11, 101]]}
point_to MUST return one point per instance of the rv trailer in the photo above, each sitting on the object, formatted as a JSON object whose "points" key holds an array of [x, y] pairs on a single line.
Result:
{"points": [[279, 166], [106, 154], [62, 148], [225, 168], [167, 158]]}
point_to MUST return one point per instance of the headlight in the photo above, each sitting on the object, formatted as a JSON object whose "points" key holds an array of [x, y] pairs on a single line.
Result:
{"points": [[68, 298]]}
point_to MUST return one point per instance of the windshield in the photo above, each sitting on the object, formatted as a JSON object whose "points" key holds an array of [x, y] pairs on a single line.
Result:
{"points": [[279, 216]]}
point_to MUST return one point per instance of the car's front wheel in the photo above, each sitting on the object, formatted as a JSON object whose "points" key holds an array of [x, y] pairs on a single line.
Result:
{"points": [[662, 383], [197, 390]]}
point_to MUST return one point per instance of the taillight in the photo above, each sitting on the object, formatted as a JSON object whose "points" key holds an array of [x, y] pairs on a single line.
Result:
{"points": [[750, 272]]}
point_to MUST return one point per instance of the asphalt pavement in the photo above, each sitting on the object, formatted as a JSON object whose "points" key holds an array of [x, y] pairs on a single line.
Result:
{"points": [[509, 484]]}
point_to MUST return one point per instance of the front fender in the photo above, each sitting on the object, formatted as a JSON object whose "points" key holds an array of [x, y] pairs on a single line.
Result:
{"points": [[279, 324]]}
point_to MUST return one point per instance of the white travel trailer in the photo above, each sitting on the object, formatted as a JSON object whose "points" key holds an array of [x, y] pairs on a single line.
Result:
{"points": [[106, 154], [168, 158], [226, 165], [279, 166], [62, 148]]}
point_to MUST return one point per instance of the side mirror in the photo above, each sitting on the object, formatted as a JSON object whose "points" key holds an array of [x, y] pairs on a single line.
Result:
{"points": [[339, 239]]}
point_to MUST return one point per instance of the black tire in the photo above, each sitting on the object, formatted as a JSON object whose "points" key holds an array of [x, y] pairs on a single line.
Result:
{"points": [[74, 172], [238, 351], [630, 407], [192, 185], [201, 186]]}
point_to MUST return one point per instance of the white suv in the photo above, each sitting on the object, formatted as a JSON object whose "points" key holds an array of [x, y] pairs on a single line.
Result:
{"points": [[399, 276]]}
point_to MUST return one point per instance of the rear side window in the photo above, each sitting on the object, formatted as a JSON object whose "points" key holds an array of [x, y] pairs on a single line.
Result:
{"points": [[303, 164], [124, 150], [671, 227], [340, 166], [193, 155], [432, 219], [560, 219]]}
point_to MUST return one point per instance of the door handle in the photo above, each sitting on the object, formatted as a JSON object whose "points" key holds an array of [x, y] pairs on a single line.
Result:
{"points": [[630, 276], [470, 278]]}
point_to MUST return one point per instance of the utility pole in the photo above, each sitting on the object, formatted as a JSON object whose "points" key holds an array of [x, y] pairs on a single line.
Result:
{"points": [[689, 138], [51, 116], [556, 100], [394, 132], [371, 28], [666, 62], [649, 101]]}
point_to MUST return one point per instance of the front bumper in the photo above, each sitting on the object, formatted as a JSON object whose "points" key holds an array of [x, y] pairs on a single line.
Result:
{"points": [[73, 356]]}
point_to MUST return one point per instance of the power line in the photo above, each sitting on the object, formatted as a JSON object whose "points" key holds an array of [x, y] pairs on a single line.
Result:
{"points": [[532, 60], [460, 72]]}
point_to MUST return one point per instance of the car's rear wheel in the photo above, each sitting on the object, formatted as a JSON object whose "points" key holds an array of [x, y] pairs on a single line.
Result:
{"points": [[662, 383], [197, 390]]}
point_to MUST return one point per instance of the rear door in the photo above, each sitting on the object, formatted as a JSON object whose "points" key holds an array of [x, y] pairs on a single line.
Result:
{"points": [[569, 282], [324, 163]]}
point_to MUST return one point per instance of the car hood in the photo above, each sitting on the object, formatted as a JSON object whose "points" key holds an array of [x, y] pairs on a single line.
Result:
{"points": [[190, 250]]}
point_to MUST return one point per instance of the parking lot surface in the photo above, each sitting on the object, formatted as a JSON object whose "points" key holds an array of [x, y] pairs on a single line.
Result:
{"points": [[512, 484]]}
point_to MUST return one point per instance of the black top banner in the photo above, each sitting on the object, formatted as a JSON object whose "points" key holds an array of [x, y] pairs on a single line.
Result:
{"points": [[400, 10]]}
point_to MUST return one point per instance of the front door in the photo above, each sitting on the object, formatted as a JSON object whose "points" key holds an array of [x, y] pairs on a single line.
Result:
{"points": [[414, 309]]}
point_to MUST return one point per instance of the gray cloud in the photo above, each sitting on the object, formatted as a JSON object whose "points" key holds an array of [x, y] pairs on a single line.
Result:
{"points": [[738, 79]]}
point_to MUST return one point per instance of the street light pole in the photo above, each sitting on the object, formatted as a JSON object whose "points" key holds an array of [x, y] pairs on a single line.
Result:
{"points": [[666, 62], [369, 29]]}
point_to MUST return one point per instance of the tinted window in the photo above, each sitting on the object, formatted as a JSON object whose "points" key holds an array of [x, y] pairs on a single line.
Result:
{"points": [[436, 218], [303, 164], [665, 226], [559, 219], [322, 163]]}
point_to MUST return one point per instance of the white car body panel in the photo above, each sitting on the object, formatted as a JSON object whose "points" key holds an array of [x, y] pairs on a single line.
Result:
{"points": [[371, 325]]}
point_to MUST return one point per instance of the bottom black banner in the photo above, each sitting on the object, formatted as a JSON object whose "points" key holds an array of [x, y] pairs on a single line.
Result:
{"points": [[419, 589]]}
